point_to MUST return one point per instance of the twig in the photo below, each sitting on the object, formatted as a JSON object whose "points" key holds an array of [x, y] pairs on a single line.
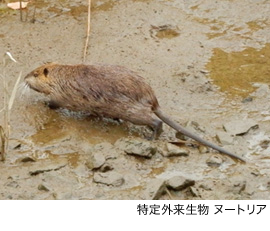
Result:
{"points": [[3, 143], [21, 10], [34, 15], [88, 30], [13, 93]]}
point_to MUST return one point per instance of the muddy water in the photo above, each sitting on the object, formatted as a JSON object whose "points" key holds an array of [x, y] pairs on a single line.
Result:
{"points": [[198, 56], [236, 72]]}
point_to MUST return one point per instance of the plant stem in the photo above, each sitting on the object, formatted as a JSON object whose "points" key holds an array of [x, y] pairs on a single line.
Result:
{"points": [[88, 30]]}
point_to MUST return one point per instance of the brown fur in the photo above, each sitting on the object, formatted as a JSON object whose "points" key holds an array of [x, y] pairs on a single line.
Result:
{"points": [[108, 91], [104, 90]]}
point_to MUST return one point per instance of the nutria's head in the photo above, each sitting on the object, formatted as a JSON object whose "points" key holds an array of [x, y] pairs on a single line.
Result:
{"points": [[39, 79]]}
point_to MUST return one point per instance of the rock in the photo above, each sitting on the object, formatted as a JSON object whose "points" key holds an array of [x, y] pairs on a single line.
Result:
{"points": [[224, 138], [173, 150], [95, 161], [109, 178], [26, 159], [247, 100], [214, 161], [154, 189], [99, 154], [179, 183], [203, 149], [239, 127], [42, 187], [137, 146]]}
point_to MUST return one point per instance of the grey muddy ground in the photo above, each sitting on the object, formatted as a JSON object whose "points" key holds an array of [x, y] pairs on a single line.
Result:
{"points": [[208, 63]]}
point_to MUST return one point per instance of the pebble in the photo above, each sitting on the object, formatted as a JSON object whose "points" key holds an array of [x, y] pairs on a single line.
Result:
{"points": [[203, 149], [173, 150], [95, 161], [42, 187], [247, 100], [109, 178], [26, 159], [137, 146], [179, 183], [214, 161]]}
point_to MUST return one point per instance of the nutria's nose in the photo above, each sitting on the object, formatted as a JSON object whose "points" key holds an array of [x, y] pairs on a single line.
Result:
{"points": [[28, 75]]}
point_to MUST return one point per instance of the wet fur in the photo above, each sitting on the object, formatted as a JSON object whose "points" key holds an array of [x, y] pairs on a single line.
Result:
{"points": [[103, 90]]}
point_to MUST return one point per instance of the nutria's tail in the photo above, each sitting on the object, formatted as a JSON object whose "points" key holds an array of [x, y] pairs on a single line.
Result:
{"points": [[185, 132]]}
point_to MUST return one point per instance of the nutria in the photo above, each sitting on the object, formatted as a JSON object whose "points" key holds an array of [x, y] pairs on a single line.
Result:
{"points": [[108, 91]]}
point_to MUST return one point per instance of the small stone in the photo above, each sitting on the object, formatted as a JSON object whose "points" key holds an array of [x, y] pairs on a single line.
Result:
{"points": [[173, 150], [109, 178], [247, 100], [203, 149], [27, 159], [95, 161], [154, 189], [214, 161], [204, 71], [179, 183], [224, 138], [42, 187], [239, 127], [137, 146]]}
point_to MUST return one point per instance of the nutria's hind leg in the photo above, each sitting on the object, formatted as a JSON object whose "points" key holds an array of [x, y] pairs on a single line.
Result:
{"points": [[157, 129]]}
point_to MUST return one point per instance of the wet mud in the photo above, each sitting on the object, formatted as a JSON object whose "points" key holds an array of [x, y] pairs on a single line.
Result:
{"points": [[208, 63]]}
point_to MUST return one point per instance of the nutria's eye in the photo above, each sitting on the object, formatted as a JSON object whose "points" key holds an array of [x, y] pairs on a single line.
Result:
{"points": [[45, 71], [35, 74]]}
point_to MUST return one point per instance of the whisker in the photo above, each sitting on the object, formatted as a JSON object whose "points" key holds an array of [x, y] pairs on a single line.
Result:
{"points": [[24, 89]]}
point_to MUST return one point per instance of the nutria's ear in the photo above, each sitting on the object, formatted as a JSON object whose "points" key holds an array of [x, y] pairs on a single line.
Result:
{"points": [[45, 71]]}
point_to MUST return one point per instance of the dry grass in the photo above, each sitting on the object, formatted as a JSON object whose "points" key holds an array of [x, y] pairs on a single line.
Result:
{"points": [[8, 104], [88, 31]]}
